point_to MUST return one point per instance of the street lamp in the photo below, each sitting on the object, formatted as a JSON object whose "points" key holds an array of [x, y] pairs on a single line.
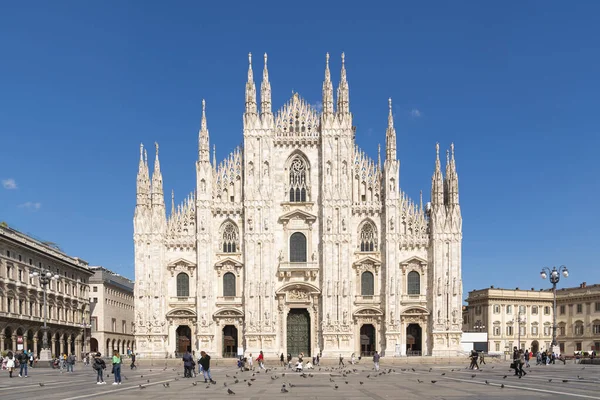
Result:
{"points": [[480, 326], [519, 322], [84, 325], [45, 276], [554, 279]]}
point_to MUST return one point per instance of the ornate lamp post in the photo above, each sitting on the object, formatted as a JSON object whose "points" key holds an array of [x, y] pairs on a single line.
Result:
{"points": [[519, 322], [479, 326], [84, 325], [45, 276], [554, 279]]}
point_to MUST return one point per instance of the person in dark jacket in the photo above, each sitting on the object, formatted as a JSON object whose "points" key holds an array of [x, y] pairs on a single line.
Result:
{"points": [[205, 363], [133, 361], [99, 365], [23, 361], [188, 362]]}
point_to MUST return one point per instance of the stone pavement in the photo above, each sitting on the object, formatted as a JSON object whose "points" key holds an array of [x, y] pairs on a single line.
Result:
{"points": [[451, 382]]}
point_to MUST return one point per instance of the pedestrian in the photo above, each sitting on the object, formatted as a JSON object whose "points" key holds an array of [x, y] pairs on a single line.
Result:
{"points": [[341, 362], [70, 363], [527, 359], [250, 362], [289, 360], [515, 362], [205, 363], [474, 356], [10, 363], [116, 361], [187, 365], [318, 360], [481, 358], [352, 359], [31, 358], [261, 360], [132, 366], [99, 365], [23, 361], [281, 360], [521, 363], [376, 361]]}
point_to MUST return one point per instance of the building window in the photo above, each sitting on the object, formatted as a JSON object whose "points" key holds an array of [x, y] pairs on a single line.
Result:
{"points": [[578, 329], [577, 346], [367, 284], [20, 275], [597, 346], [496, 309], [95, 289], [522, 330], [496, 331], [547, 310], [124, 326], [368, 237], [497, 346], [561, 346], [547, 330], [31, 309], [509, 331], [114, 325], [561, 330], [7, 253], [30, 261], [562, 310], [596, 328], [94, 324], [298, 247], [95, 299], [229, 285], [21, 307], [522, 309], [579, 308], [534, 310], [477, 310], [534, 330], [230, 238], [509, 309], [183, 285], [414, 282], [298, 180]]}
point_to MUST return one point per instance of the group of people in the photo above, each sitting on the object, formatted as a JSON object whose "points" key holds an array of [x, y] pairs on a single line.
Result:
{"points": [[189, 366], [99, 365], [474, 356], [21, 360]]}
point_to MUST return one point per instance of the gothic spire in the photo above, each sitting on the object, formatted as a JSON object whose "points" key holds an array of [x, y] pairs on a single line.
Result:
{"points": [[327, 89], [265, 92], [379, 156], [437, 181], [390, 135], [172, 202], [203, 137], [143, 180], [214, 156], [250, 90], [452, 179], [343, 92], [157, 182]]}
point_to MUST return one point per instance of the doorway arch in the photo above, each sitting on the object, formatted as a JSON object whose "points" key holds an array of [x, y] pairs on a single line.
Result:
{"points": [[414, 340], [367, 340], [298, 332], [230, 341], [94, 345], [535, 347], [183, 339]]}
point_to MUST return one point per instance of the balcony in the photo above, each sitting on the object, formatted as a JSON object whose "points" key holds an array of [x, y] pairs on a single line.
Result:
{"points": [[414, 298], [229, 301], [367, 300], [182, 301], [309, 269]]}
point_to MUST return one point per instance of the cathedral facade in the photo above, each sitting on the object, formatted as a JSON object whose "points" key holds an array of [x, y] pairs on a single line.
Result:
{"points": [[298, 242]]}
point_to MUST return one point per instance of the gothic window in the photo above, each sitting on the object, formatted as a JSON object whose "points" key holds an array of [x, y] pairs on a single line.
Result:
{"points": [[414, 282], [297, 247], [298, 184], [183, 285], [230, 238], [368, 237], [229, 284], [367, 284]]}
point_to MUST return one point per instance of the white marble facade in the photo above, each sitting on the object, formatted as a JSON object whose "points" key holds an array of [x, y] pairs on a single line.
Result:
{"points": [[298, 241]]}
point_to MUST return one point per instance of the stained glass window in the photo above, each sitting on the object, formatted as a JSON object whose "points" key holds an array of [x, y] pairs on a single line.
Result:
{"points": [[367, 284], [183, 285], [414, 282], [229, 284], [297, 247]]}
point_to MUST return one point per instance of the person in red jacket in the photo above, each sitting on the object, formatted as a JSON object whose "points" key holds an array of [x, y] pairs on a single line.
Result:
{"points": [[261, 360]]}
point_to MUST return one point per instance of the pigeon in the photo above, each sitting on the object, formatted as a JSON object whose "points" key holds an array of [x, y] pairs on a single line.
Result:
{"points": [[486, 382], [565, 380], [229, 391], [148, 381], [142, 387], [473, 376], [443, 373], [284, 390], [430, 369], [368, 376], [41, 384], [290, 384], [361, 382], [413, 370], [420, 381], [336, 386], [225, 384], [549, 380], [505, 376], [249, 384], [236, 381], [502, 385], [141, 376], [433, 381], [225, 375], [579, 377], [346, 382], [194, 383], [165, 385], [150, 370]]}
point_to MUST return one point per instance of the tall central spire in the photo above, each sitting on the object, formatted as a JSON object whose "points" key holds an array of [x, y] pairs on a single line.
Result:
{"points": [[143, 180], [265, 92], [390, 135], [250, 89], [157, 182], [327, 89], [343, 92], [203, 137], [437, 181]]}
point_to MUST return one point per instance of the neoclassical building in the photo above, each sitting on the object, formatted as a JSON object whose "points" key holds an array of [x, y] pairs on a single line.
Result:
{"points": [[298, 242], [21, 296]]}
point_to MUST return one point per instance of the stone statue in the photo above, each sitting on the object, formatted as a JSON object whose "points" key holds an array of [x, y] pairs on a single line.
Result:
{"points": [[250, 223], [391, 224], [266, 224], [343, 224], [314, 256], [328, 224], [280, 256]]}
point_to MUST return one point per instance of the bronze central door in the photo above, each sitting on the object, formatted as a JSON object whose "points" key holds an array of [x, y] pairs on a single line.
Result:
{"points": [[298, 332]]}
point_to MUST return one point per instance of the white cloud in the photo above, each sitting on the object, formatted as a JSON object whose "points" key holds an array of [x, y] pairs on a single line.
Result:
{"points": [[415, 112], [9, 184], [30, 205]]}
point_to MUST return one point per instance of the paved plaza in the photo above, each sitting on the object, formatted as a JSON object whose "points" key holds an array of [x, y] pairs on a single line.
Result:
{"points": [[410, 381]]}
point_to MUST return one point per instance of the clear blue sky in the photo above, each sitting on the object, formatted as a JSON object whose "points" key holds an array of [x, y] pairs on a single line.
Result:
{"points": [[515, 85]]}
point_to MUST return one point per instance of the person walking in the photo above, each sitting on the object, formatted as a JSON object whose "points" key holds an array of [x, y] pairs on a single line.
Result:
{"points": [[521, 362], [187, 365], [527, 359], [481, 358], [376, 357], [70, 363], [132, 366], [474, 357], [515, 361], [352, 359], [318, 360], [23, 361], [31, 358], [281, 360], [99, 365], [341, 362], [205, 363], [250, 362], [116, 361], [10, 363], [261, 360], [289, 360]]}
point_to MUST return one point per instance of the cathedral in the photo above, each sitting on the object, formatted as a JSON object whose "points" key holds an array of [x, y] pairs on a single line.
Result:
{"points": [[298, 242]]}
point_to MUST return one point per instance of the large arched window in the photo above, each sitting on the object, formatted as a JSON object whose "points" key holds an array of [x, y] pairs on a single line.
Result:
{"points": [[298, 184], [230, 238], [229, 284], [368, 237], [414, 282], [367, 284], [183, 285], [298, 247]]}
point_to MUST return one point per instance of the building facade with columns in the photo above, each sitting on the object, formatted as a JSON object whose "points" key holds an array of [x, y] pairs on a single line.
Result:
{"points": [[21, 296], [112, 308], [297, 242], [578, 318]]}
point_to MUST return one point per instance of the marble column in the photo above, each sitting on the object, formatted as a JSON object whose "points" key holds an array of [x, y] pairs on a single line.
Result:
{"points": [[69, 345], [14, 343], [2, 342], [35, 345], [62, 346]]}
